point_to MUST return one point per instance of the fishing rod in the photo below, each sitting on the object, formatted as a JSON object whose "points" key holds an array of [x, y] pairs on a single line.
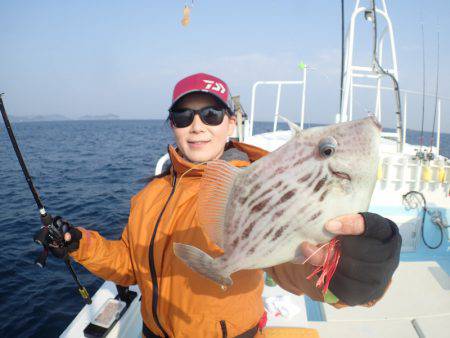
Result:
{"points": [[423, 88], [380, 70], [51, 226], [436, 93], [342, 54]]}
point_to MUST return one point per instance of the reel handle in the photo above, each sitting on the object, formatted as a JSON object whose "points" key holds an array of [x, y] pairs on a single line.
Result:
{"points": [[40, 237], [42, 258]]}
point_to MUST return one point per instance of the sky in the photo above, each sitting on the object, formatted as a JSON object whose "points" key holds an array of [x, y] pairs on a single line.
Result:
{"points": [[81, 57]]}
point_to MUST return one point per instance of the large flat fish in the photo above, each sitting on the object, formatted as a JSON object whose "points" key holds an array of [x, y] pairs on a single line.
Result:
{"points": [[259, 215]]}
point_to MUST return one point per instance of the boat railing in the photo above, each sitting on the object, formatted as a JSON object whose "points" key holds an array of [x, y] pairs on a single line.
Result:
{"points": [[279, 85], [406, 94], [403, 172]]}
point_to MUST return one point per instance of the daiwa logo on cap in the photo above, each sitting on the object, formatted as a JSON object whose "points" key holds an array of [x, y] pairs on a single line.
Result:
{"points": [[217, 86], [202, 82]]}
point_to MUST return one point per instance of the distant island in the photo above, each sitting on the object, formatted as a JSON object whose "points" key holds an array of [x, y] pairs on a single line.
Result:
{"points": [[38, 118], [99, 117], [58, 117]]}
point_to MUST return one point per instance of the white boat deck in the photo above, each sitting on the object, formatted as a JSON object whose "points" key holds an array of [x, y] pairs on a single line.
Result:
{"points": [[417, 304], [130, 325]]}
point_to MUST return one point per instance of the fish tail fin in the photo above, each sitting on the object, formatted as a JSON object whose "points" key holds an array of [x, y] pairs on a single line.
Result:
{"points": [[202, 263]]}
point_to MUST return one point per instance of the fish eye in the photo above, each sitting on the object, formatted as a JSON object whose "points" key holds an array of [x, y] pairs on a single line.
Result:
{"points": [[327, 147]]}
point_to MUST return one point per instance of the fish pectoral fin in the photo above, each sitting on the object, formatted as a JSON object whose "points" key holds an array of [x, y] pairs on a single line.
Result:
{"points": [[296, 130], [215, 189], [202, 263]]}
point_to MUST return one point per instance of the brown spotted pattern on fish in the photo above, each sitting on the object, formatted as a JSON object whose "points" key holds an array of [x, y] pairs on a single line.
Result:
{"points": [[235, 242], [243, 199], [322, 196], [260, 206], [284, 198], [303, 159], [304, 178], [279, 232], [267, 234], [255, 188], [280, 170], [276, 185], [252, 249], [320, 184], [277, 214], [287, 196], [261, 195], [314, 216], [316, 178], [248, 230]]}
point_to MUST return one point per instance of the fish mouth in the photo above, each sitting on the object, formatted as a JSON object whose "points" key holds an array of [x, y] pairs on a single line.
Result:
{"points": [[340, 174]]}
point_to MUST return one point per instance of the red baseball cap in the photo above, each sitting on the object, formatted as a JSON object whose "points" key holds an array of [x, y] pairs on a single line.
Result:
{"points": [[204, 83]]}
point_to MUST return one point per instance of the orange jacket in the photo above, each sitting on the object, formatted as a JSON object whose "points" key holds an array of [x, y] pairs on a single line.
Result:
{"points": [[188, 305]]}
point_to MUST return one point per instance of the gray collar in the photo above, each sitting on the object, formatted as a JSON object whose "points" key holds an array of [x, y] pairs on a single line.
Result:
{"points": [[231, 154]]}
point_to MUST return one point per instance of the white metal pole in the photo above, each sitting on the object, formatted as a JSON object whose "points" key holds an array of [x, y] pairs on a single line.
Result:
{"points": [[302, 117], [277, 108], [438, 139], [252, 111], [405, 113], [348, 64], [350, 114]]}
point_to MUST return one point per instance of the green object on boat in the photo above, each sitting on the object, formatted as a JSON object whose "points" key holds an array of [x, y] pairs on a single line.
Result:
{"points": [[330, 298], [301, 65], [269, 281]]}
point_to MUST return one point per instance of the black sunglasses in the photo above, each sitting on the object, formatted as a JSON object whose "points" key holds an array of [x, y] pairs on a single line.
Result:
{"points": [[211, 116]]}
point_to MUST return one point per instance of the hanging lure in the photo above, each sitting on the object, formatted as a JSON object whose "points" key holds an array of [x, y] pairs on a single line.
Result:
{"points": [[51, 226], [187, 14]]}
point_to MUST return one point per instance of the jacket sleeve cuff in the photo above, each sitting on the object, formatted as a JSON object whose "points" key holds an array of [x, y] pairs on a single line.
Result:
{"points": [[340, 304], [83, 252]]}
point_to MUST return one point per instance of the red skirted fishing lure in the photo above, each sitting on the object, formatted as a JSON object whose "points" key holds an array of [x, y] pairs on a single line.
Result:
{"points": [[329, 266]]}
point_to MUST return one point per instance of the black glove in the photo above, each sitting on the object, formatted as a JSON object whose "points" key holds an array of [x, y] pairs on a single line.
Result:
{"points": [[56, 243], [368, 261]]}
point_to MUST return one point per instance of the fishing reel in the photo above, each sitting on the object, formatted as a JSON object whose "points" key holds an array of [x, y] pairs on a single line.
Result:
{"points": [[51, 234], [423, 156], [51, 237], [420, 155]]}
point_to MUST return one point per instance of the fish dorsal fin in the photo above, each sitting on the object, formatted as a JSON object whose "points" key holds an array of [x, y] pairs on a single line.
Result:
{"points": [[296, 130], [215, 189]]}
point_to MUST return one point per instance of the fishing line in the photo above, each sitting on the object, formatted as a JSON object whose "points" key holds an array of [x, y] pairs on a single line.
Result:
{"points": [[193, 167], [315, 252], [423, 88], [328, 79], [437, 91]]}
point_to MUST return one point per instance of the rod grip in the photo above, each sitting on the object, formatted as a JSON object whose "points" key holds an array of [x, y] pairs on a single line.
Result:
{"points": [[85, 294]]}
